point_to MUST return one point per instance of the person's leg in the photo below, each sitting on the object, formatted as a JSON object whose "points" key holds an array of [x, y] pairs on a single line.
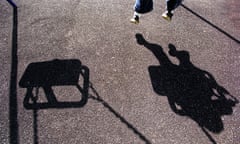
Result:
{"points": [[171, 6], [138, 5], [141, 7], [136, 14], [135, 18]]}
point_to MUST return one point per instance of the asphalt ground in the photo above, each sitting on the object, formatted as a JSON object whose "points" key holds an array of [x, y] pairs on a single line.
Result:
{"points": [[131, 87]]}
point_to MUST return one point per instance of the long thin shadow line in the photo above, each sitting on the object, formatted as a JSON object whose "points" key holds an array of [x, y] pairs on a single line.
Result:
{"points": [[13, 111], [35, 120], [209, 136], [35, 126], [208, 22], [122, 119]]}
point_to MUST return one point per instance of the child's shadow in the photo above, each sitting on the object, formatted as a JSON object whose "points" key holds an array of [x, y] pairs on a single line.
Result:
{"points": [[190, 91]]}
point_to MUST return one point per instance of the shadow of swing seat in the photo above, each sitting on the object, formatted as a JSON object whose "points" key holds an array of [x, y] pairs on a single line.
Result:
{"points": [[54, 73]]}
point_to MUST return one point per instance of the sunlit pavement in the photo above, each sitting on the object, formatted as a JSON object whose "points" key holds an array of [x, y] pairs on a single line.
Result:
{"points": [[131, 89]]}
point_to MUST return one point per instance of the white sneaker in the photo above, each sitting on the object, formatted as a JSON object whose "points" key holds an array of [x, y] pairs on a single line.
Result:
{"points": [[167, 15], [135, 19]]}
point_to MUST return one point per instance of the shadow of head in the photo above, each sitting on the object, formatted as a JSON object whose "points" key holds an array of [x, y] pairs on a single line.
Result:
{"points": [[140, 39], [183, 56]]}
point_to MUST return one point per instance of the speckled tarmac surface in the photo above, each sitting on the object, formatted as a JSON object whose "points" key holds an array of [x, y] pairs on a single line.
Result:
{"points": [[128, 110]]}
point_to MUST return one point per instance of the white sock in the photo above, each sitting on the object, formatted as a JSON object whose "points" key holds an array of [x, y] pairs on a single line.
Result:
{"points": [[137, 14]]}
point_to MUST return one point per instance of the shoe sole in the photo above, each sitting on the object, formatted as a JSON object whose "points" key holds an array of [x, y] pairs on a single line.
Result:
{"points": [[134, 22], [166, 18]]}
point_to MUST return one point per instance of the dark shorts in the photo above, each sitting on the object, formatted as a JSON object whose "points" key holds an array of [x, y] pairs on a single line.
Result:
{"points": [[143, 6]]}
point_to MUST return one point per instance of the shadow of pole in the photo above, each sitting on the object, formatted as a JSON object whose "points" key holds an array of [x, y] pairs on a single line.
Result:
{"points": [[35, 120], [35, 126], [211, 24], [13, 111], [122, 119]]}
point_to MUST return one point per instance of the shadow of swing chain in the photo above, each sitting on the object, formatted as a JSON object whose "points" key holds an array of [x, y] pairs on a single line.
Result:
{"points": [[211, 24], [122, 119]]}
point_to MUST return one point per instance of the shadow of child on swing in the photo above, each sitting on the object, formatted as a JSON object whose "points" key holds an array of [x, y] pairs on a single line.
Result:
{"points": [[191, 92]]}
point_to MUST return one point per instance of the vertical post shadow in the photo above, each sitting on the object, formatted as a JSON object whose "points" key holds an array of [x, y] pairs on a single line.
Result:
{"points": [[35, 126], [211, 24], [13, 107]]}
